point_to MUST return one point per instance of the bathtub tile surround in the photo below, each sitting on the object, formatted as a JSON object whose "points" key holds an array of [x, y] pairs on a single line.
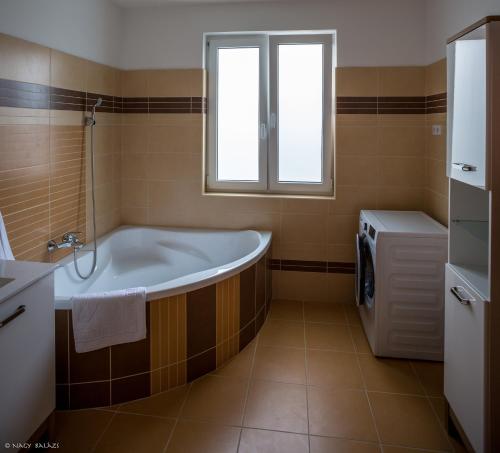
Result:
{"points": [[189, 335], [43, 169]]}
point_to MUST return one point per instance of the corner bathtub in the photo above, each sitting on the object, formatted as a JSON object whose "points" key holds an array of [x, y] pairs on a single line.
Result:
{"points": [[208, 294]]}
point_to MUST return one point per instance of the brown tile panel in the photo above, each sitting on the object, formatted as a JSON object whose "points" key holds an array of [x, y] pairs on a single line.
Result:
{"points": [[132, 358], [130, 388], [331, 267], [260, 284], [87, 366], [201, 364], [94, 394], [391, 104], [201, 320], [62, 346], [62, 397], [247, 296], [247, 334]]}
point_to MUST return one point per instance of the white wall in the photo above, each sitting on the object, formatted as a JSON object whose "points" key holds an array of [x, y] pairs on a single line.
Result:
{"points": [[444, 18], [87, 28], [370, 33]]}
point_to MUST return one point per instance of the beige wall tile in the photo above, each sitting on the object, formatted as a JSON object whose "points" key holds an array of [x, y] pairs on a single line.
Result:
{"points": [[401, 171], [300, 227], [342, 228], [362, 81], [402, 81], [24, 61], [435, 78], [102, 79], [400, 198], [356, 140], [175, 82], [356, 171], [401, 141], [68, 71], [134, 83]]}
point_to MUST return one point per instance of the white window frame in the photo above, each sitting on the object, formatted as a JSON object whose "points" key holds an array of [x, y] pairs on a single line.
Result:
{"points": [[269, 116]]}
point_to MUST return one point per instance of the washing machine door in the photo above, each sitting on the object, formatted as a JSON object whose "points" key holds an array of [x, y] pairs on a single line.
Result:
{"points": [[365, 272]]}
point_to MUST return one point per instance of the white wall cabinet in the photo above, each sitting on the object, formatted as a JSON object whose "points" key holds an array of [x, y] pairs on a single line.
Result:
{"points": [[472, 291], [27, 369]]}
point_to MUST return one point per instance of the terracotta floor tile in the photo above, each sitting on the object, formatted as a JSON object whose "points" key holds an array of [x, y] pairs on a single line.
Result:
{"points": [[259, 441], [431, 376], [340, 413], [334, 445], [333, 369], [389, 375], [352, 314], [289, 310], [240, 365], [216, 398], [360, 340], [276, 406], [439, 406], [280, 364], [166, 404], [393, 449], [324, 312], [407, 421], [134, 433], [282, 333], [202, 437], [329, 336], [78, 431]]}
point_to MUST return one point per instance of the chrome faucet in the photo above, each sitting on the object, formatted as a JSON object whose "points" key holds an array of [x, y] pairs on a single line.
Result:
{"points": [[69, 239]]}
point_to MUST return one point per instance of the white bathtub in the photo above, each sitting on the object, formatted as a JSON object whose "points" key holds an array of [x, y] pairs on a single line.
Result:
{"points": [[166, 261]]}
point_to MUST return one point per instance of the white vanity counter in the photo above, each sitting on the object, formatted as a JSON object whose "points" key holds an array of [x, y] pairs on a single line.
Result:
{"points": [[23, 273]]}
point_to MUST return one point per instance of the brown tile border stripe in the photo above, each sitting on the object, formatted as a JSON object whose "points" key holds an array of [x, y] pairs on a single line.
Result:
{"points": [[381, 105], [331, 267], [34, 96]]}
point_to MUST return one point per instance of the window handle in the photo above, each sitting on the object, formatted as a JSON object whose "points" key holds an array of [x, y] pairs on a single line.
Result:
{"points": [[272, 120], [263, 131]]}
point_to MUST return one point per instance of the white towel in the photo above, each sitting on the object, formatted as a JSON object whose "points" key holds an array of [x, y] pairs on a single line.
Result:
{"points": [[5, 250], [108, 318]]}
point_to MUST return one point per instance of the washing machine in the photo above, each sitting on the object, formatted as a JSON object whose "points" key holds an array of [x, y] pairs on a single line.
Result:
{"points": [[400, 264]]}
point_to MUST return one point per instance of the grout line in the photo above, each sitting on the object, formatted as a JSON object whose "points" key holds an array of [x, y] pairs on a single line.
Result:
{"points": [[433, 409], [365, 391], [307, 376], [190, 385], [249, 381], [93, 449]]}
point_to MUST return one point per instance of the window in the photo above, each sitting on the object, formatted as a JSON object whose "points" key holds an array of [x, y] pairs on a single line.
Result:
{"points": [[270, 113]]}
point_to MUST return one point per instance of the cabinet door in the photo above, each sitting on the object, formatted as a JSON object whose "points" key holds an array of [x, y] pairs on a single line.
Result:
{"points": [[27, 362], [464, 356], [467, 108]]}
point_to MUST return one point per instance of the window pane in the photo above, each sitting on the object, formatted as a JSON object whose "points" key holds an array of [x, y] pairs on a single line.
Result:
{"points": [[300, 112], [238, 114]]}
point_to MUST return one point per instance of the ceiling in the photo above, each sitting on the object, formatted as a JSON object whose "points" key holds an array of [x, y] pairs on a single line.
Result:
{"points": [[138, 3]]}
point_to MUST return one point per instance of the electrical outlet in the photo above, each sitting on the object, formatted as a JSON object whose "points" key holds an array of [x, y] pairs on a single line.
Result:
{"points": [[436, 129]]}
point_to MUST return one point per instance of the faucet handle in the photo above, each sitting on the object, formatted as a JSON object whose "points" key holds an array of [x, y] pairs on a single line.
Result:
{"points": [[71, 236]]}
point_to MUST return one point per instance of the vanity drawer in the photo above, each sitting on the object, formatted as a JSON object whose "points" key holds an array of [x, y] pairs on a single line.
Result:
{"points": [[464, 356], [27, 361]]}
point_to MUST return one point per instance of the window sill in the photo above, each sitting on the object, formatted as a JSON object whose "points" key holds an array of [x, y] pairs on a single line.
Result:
{"points": [[206, 193]]}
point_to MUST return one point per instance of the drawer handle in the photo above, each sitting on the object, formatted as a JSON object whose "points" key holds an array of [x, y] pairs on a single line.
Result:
{"points": [[459, 292], [465, 167], [19, 311]]}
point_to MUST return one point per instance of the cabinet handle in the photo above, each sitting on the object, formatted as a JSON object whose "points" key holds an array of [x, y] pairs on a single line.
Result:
{"points": [[465, 167], [459, 292], [19, 311]]}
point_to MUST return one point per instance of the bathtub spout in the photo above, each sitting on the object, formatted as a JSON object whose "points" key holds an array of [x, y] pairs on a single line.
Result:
{"points": [[68, 240]]}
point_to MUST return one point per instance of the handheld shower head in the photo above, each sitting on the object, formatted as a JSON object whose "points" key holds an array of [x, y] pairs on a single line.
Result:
{"points": [[98, 103]]}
